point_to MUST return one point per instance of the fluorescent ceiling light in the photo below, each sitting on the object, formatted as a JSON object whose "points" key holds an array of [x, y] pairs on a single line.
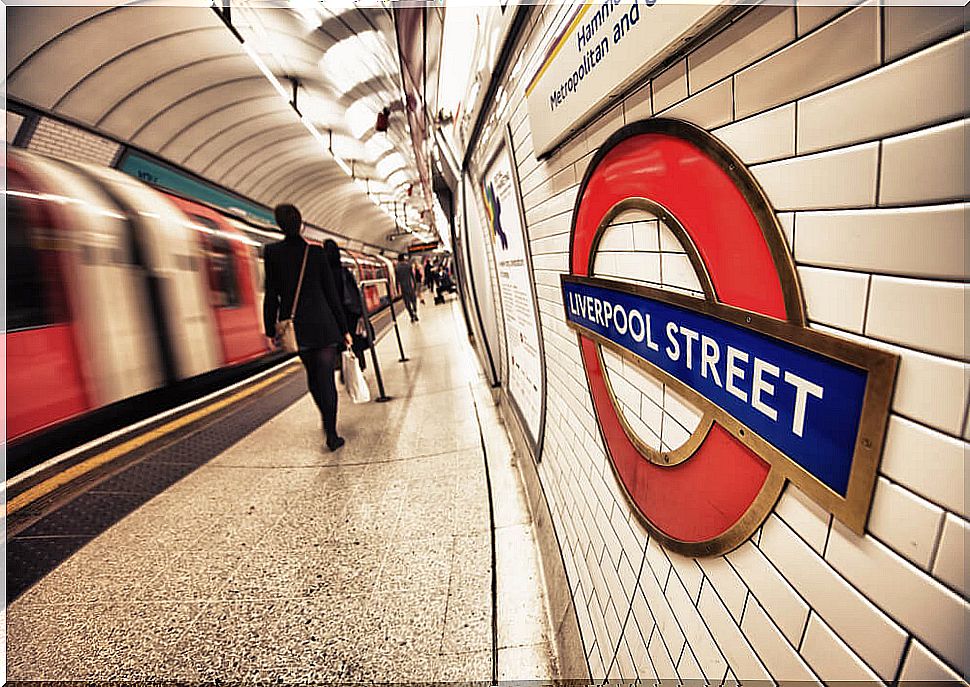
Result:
{"points": [[377, 145], [360, 118], [389, 164], [356, 59], [267, 72]]}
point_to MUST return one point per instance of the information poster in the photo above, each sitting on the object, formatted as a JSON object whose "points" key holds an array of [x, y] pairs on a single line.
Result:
{"points": [[525, 371]]}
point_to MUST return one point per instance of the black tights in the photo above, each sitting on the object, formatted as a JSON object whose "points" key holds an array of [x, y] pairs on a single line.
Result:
{"points": [[320, 364]]}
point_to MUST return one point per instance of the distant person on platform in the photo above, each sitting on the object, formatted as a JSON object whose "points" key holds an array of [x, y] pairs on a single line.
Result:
{"points": [[319, 323], [351, 299], [405, 281]]}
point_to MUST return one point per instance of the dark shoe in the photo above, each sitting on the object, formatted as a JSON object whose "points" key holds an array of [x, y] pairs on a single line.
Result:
{"points": [[335, 442]]}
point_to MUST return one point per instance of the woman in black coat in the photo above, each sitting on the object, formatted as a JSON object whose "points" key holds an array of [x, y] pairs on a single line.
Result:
{"points": [[319, 323], [351, 298]]}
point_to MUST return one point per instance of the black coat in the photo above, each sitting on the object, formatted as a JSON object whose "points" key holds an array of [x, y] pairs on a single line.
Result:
{"points": [[319, 319]]}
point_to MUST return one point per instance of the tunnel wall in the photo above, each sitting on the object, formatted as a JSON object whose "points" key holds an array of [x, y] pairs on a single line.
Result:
{"points": [[853, 123]]}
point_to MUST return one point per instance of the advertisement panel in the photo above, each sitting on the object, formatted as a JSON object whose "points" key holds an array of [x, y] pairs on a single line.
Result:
{"points": [[525, 371]]}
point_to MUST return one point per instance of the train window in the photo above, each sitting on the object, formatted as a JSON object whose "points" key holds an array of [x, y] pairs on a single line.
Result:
{"points": [[26, 306], [223, 281]]}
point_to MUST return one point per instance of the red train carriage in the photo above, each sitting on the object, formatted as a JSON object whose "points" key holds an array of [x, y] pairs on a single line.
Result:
{"points": [[45, 383]]}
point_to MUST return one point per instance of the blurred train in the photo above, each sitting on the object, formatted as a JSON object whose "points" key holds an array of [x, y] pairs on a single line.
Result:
{"points": [[115, 289]]}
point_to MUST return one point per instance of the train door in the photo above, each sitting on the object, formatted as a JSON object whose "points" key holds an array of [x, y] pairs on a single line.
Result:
{"points": [[166, 246], [232, 292], [108, 289]]}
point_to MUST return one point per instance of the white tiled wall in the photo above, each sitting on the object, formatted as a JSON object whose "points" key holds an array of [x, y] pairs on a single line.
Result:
{"points": [[58, 139], [852, 119]]}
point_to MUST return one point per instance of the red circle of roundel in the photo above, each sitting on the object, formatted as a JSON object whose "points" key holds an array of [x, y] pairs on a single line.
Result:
{"points": [[692, 176]]}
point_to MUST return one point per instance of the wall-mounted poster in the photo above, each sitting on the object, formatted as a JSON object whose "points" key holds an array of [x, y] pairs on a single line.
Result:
{"points": [[526, 376]]}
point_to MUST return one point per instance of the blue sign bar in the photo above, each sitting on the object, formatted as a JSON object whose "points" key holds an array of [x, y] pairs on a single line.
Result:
{"points": [[806, 405], [161, 175]]}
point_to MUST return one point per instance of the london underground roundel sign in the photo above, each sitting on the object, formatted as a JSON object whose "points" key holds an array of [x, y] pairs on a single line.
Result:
{"points": [[779, 401]]}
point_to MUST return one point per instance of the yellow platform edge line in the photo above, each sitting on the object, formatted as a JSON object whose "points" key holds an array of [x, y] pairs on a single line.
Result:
{"points": [[44, 488]]}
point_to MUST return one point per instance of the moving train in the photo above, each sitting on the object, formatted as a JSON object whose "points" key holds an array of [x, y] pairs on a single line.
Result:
{"points": [[115, 289]]}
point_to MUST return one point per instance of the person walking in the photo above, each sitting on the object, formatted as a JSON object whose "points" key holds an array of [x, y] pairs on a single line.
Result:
{"points": [[351, 299], [297, 271], [405, 282]]}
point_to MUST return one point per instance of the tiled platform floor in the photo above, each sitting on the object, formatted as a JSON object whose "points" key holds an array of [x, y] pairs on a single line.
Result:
{"points": [[279, 560]]}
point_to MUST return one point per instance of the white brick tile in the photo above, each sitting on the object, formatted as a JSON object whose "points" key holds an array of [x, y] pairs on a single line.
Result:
{"points": [[738, 652], [872, 635], [660, 655], [637, 646], [905, 522], [926, 166], [689, 669], [767, 136], [643, 427], [657, 561], [836, 179], [656, 601], [927, 609], [670, 86], [672, 434], [624, 664], [624, 391], [633, 540], [726, 583], [929, 389], [761, 31], [539, 188], [600, 130], [922, 89], [926, 315], [685, 413], [708, 108], [704, 648], [604, 264], [618, 237], [645, 236], [774, 593], [811, 13], [844, 48], [772, 648], [669, 243], [687, 572], [830, 657], [910, 28], [951, 559], [676, 270], [787, 221], [638, 105], [613, 624], [834, 297], [639, 266], [804, 516], [917, 242], [922, 666]]}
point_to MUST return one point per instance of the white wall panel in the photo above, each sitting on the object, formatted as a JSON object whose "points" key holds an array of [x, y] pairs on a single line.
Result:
{"points": [[840, 113]]}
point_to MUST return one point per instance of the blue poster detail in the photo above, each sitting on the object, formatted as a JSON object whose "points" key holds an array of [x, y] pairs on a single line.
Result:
{"points": [[806, 405]]}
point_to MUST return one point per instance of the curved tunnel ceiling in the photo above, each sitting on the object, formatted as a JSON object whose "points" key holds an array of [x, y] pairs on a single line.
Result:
{"points": [[177, 82]]}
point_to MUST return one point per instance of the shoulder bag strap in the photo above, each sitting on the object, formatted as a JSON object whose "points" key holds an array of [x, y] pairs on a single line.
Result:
{"points": [[299, 283]]}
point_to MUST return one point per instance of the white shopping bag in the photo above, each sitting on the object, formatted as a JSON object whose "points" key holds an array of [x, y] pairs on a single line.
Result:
{"points": [[354, 378]]}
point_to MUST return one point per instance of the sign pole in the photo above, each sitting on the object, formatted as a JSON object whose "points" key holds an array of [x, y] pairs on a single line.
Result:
{"points": [[383, 397], [397, 332]]}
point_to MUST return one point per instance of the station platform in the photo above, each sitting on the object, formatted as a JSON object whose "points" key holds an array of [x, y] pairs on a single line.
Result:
{"points": [[230, 544]]}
